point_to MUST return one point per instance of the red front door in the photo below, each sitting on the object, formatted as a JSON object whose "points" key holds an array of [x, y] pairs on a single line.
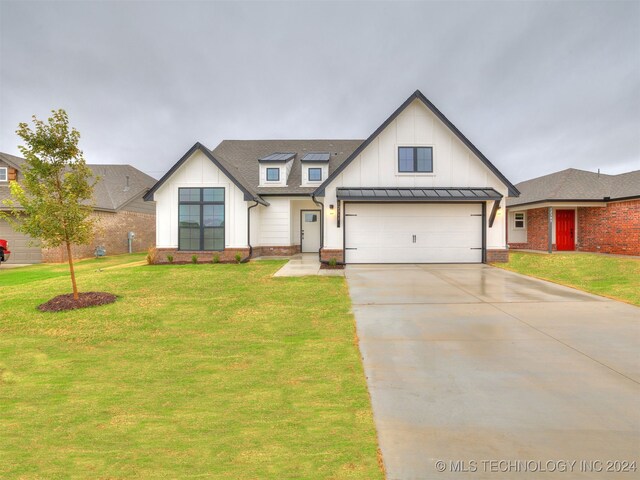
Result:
{"points": [[565, 229]]}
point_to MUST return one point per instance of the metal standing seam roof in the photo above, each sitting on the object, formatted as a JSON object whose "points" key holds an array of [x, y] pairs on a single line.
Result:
{"points": [[316, 157], [277, 157], [393, 194]]}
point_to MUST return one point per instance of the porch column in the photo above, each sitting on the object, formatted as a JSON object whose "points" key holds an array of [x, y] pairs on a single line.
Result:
{"points": [[550, 232]]}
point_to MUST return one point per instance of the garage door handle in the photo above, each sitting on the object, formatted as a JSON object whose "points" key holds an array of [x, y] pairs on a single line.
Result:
{"points": [[350, 248]]}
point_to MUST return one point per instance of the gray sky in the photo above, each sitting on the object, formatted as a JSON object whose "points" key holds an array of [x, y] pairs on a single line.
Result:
{"points": [[537, 86]]}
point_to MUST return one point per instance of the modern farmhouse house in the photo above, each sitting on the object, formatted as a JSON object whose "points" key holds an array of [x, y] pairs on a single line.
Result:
{"points": [[416, 191], [576, 210]]}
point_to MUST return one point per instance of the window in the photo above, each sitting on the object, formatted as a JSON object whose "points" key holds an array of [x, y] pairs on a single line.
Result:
{"points": [[310, 217], [3, 174], [518, 220], [201, 219], [273, 174], [315, 174], [415, 159]]}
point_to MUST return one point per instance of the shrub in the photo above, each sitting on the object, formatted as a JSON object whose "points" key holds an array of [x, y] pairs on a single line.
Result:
{"points": [[333, 262], [170, 258], [216, 258], [152, 255], [194, 259], [238, 258]]}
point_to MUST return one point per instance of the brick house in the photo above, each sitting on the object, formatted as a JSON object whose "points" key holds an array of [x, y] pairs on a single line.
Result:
{"points": [[576, 210], [119, 208], [415, 191]]}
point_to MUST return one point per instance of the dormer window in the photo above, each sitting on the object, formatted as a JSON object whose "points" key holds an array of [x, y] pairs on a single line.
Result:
{"points": [[315, 174], [4, 174], [273, 174]]}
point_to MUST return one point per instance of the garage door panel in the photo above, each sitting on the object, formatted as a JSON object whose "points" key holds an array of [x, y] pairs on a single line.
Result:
{"points": [[20, 245], [413, 233]]}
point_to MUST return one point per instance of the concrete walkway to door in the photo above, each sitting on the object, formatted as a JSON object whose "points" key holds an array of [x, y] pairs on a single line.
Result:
{"points": [[304, 264], [473, 364]]}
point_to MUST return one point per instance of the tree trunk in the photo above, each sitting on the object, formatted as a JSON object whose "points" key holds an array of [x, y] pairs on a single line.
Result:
{"points": [[73, 274]]}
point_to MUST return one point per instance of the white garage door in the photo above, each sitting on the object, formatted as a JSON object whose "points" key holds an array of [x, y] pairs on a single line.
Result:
{"points": [[413, 233]]}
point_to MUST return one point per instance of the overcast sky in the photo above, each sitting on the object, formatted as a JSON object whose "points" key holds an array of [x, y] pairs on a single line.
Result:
{"points": [[537, 87]]}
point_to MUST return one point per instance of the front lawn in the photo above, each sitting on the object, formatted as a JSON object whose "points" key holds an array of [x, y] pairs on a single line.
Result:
{"points": [[207, 371], [614, 277]]}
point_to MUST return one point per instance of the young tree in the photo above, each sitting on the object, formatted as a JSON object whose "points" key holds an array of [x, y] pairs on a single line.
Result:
{"points": [[52, 202]]}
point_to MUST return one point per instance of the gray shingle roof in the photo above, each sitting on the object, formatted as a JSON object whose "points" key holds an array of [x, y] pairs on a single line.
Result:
{"points": [[110, 193], [241, 158], [574, 184]]}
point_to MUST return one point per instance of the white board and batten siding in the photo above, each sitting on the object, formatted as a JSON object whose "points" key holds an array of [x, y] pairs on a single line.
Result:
{"points": [[198, 172], [454, 165]]}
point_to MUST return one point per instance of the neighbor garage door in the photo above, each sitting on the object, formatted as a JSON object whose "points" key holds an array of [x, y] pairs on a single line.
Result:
{"points": [[413, 233], [21, 251]]}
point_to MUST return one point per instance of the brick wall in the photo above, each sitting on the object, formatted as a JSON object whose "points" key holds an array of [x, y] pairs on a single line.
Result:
{"points": [[284, 251], [111, 232], [326, 255], [537, 231], [611, 229], [498, 256]]}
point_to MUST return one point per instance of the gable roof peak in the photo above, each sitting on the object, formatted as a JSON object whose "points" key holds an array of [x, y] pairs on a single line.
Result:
{"points": [[513, 191]]}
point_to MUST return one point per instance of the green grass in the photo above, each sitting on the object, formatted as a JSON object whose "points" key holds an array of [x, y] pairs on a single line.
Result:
{"points": [[197, 371], [614, 277]]}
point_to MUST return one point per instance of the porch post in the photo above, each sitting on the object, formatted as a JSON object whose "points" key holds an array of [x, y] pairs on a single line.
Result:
{"points": [[550, 232]]}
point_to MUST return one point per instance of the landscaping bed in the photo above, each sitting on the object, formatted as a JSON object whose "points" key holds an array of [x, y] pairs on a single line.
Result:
{"points": [[85, 299]]}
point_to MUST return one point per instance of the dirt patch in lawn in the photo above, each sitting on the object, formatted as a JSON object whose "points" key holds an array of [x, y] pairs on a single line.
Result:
{"points": [[86, 299]]}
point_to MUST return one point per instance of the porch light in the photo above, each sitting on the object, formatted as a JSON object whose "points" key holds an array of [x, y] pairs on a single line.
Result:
{"points": [[332, 210]]}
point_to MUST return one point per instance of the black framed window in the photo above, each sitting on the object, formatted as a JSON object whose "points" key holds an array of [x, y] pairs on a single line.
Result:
{"points": [[201, 219], [415, 159], [273, 174], [315, 174]]}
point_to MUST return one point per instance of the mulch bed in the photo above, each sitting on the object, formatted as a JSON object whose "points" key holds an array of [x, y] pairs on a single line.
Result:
{"points": [[326, 266], [86, 299]]}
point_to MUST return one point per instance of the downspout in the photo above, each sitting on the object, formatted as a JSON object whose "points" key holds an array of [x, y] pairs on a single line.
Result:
{"points": [[321, 205], [249, 228]]}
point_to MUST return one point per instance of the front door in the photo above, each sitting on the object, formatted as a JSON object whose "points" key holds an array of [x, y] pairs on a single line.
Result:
{"points": [[310, 230], [565, 229]]}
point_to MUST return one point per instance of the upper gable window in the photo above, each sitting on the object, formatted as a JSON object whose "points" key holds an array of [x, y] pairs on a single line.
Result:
{"points": [[3, 174], [315, 174], [273, 174], [415, 159]]}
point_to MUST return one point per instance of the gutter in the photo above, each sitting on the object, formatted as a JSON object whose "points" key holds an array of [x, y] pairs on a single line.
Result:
{"points": [[321, 205], [249, 228]]}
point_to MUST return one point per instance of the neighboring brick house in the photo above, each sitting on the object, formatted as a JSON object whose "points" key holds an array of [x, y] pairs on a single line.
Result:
{"points": [[583, 211], [118, 207]]}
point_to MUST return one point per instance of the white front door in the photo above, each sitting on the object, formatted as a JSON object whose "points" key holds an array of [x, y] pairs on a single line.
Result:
{"points": [[310, 230], [413, 233]]}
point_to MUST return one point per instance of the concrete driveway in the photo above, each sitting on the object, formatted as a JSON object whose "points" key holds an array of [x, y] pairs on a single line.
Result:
{"points": [[493, 373]]}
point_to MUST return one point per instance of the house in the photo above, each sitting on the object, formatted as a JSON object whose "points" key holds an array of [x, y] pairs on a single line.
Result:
{"points": [[119, 209], [577, 210], [416, 191]]}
